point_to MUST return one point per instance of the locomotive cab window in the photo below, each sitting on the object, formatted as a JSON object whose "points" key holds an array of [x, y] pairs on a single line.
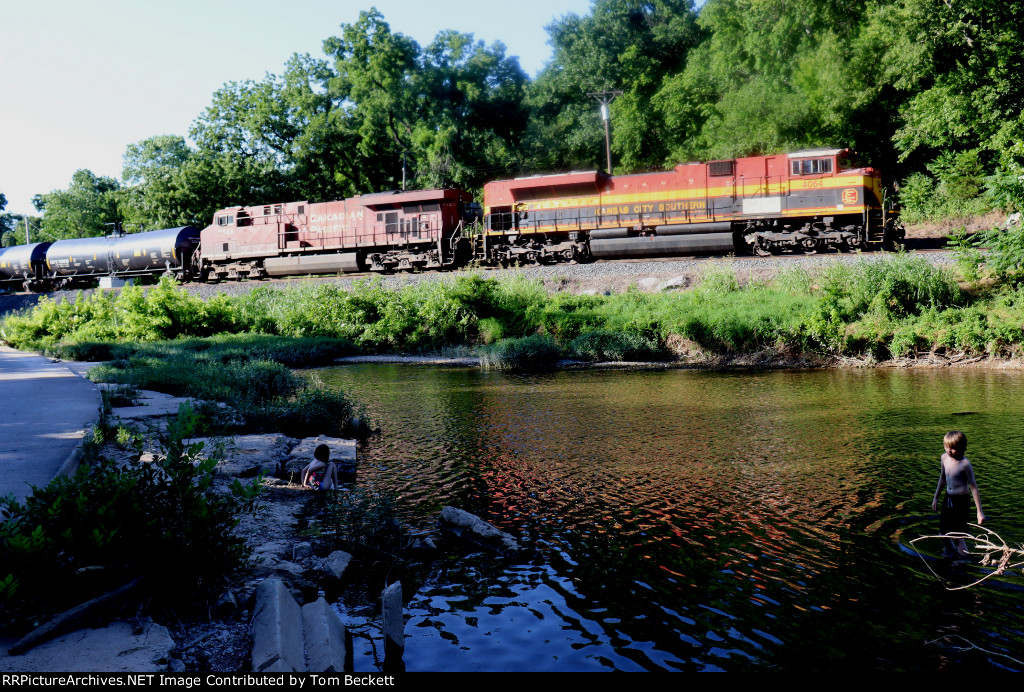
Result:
{"points": [[812, 166], [225, 220]]}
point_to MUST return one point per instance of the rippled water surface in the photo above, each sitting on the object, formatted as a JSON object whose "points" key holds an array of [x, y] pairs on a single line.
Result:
{"points": [[698, 521]]}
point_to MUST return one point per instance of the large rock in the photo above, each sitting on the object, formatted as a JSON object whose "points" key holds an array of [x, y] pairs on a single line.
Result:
{"points": [[336, 563], [246, 456], [149, 404], [472, 527], [343, 453], [393, 619], [326, 649]]}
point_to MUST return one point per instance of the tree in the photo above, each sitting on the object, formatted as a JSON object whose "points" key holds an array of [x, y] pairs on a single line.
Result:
{"points": [[772, 75], [7, 222], [627, 45], [374, 86], [82, 210], [5, 218], [451, 112], [156, 196], [472, 120]]}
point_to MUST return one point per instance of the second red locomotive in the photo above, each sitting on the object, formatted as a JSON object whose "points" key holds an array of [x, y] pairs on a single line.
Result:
{"points": [[419, 229]]}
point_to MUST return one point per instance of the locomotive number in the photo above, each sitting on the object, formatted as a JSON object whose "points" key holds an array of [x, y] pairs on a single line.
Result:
{"points": [[811, 184]]}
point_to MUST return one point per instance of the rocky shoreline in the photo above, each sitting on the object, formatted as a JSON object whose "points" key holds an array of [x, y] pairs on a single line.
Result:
{"points": [[293, 558]]}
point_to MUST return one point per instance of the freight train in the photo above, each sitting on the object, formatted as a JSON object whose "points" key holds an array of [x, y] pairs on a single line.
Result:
{"points": [[806, 201]]}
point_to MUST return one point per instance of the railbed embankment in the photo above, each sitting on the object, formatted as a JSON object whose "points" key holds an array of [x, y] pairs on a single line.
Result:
{"points": [[598, 277]]}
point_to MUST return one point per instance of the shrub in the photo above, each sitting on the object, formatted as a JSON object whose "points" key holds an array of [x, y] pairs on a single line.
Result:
{"points": [[185, 375], [719, 279], [314, 411], [82, 536], [895, 286], [361, 517], [615, 346], [528, 354]]}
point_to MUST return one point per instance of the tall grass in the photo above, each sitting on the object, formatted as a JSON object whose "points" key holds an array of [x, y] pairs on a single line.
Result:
{"points": [[881, 306], [527, 354]]}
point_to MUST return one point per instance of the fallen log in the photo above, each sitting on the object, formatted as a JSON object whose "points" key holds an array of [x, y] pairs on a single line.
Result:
{"points": [[70, 619]]}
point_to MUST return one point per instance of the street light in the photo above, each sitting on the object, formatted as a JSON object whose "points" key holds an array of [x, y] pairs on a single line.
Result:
{"points": [[605, 98]]}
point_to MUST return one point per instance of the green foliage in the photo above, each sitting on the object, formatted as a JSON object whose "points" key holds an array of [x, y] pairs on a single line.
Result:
{"points": [[719, 279], [81, 536], [82, 210], [624, 45], [769, 77], [1005, 187], [314, 410], [952, 190], [1005, 256], [878, 292], [527, 354], [877, 306], [750, 319], [365, 517], [251, 373], [615, 346], [968, 257], [896, 286], [135, 314]]}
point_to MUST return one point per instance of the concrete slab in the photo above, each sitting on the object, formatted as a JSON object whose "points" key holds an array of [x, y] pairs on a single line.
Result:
{"points": [[150, 405], [46, 413], [324, 636], [277, 645]]}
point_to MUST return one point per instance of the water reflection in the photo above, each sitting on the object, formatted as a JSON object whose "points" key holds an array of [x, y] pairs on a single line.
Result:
{"points": [[692, 520]]}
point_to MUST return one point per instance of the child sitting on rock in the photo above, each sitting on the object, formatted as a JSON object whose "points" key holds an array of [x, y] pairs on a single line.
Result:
{"points": [[321, 473]]}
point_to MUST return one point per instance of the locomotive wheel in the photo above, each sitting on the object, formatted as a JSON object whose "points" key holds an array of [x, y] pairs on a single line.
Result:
{"points": [[762, 250], [811, 246]]}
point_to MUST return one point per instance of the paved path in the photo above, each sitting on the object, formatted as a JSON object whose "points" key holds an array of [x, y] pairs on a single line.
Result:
{"points": [[45, 411]]}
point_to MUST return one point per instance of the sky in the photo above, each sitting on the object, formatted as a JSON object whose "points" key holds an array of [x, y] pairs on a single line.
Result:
{"points": [[80, 80]]}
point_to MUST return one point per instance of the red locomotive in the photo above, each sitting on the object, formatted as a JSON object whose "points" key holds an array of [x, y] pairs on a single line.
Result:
{"points": [[805, 201], [420, 229]]}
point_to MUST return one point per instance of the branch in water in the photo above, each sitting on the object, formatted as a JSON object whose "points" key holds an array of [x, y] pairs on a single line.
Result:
{"points": [[992, 550]]}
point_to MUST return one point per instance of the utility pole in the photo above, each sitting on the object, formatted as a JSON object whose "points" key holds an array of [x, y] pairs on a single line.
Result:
{"points": [[26, 231], [605, 98]]}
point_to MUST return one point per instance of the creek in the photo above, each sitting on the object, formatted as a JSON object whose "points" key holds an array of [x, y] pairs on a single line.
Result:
{"points": [[699, 521]]}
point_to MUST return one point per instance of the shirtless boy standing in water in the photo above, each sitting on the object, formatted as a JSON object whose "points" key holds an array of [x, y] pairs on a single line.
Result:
{"points": [[958, 477]]}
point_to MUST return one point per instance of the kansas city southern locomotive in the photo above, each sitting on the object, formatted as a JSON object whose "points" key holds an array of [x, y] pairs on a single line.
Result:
{"points": [[806, 201]]}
